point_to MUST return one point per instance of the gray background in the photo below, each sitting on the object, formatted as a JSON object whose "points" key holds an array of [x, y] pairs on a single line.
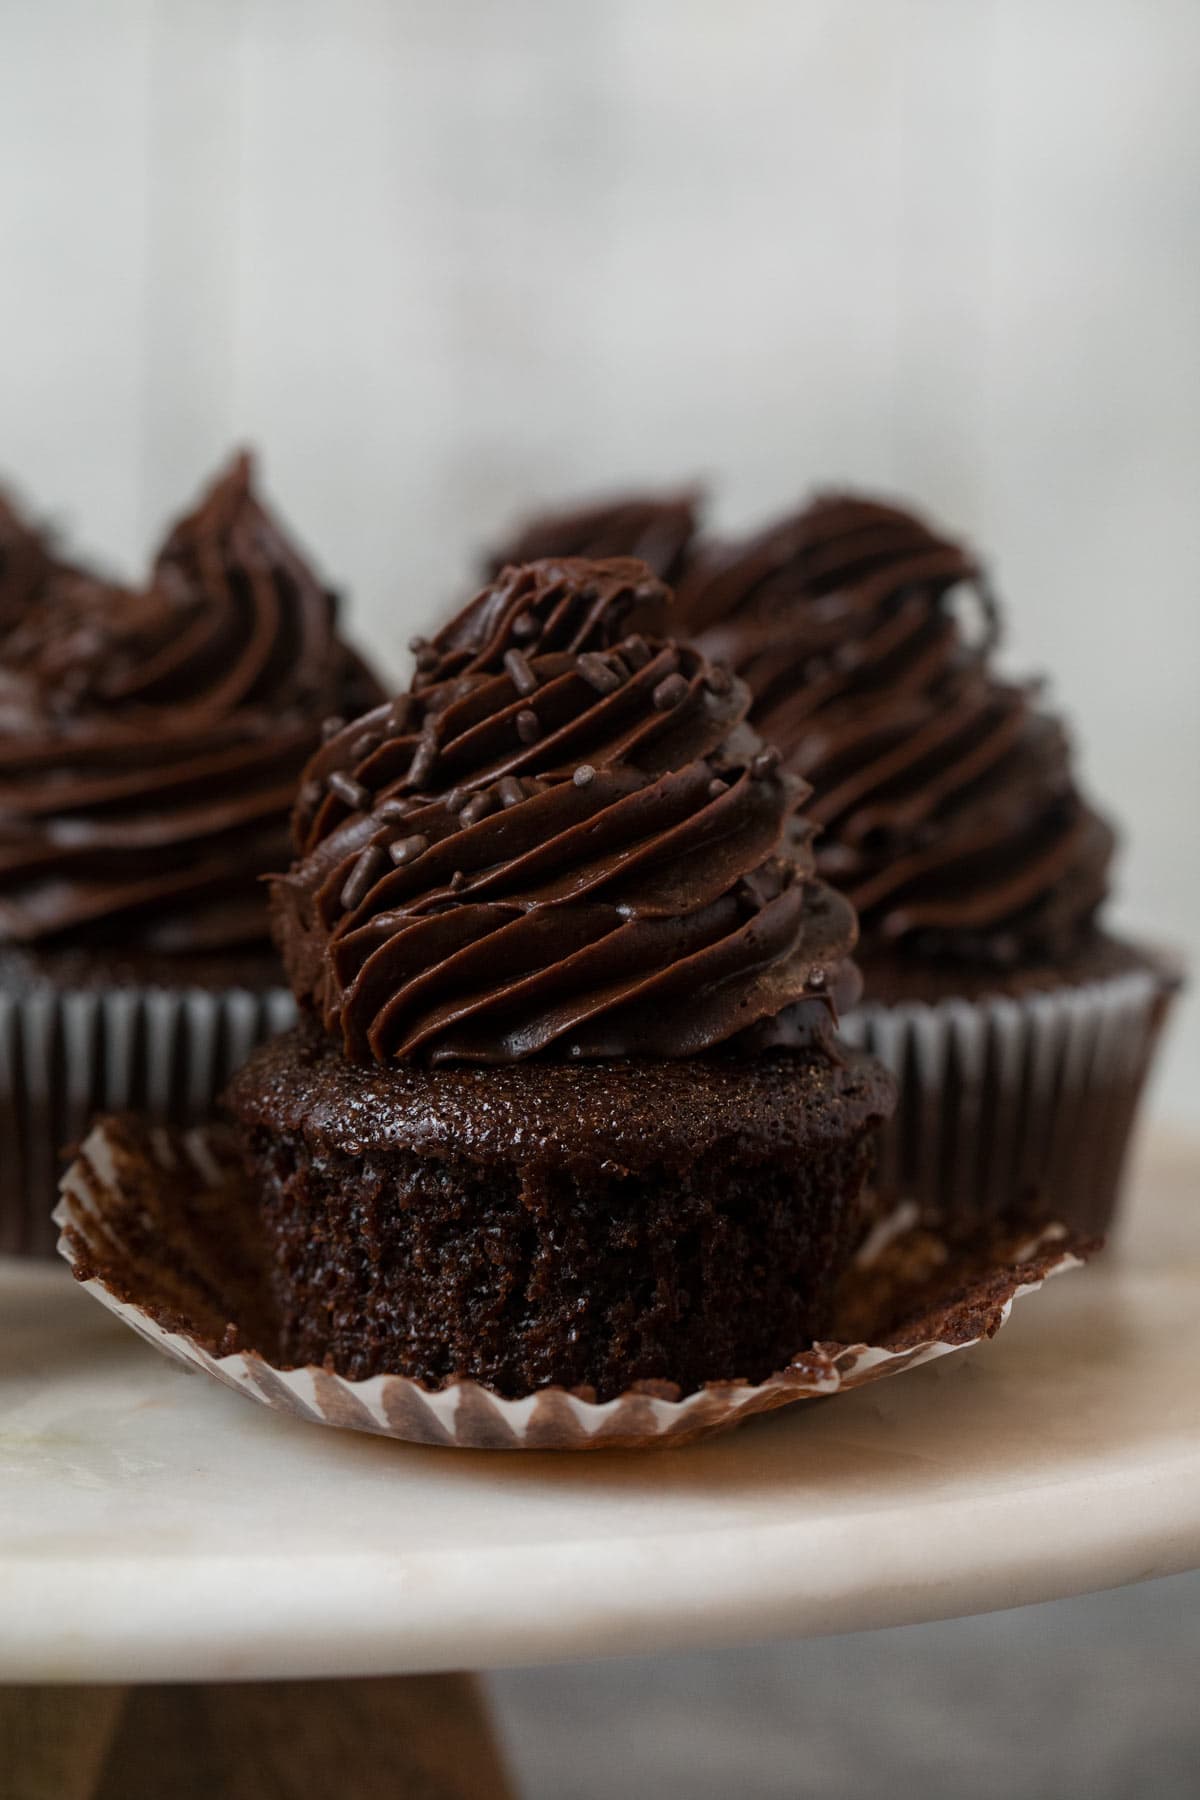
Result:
{"points": [[1091, 1699]]}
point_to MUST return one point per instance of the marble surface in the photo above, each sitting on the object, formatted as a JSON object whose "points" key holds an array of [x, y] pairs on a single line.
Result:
{"points": [[155, 1526]]}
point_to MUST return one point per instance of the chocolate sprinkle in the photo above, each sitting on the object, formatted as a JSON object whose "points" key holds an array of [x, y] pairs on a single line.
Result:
{"points": [[523, 626], [766, 762], [520, 673], [584, 775], [717, 787], [636, 651], [352, 792], [331, 726], [529, 728], [406, 850], [426, 656], [720, 681], [424, 759], [477, 807], [510, 790], [393, 809], [597, 673], [363, 876], [669, 692]]}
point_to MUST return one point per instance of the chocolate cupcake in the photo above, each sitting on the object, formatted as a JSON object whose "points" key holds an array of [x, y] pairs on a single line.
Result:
{"points": [[567, 1106], [150, 744], [657, 529], [1021, 1032]]}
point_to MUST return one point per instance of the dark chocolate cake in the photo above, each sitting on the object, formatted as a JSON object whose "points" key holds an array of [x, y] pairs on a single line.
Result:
{"points": [[589, 1224], [570, 1106]]}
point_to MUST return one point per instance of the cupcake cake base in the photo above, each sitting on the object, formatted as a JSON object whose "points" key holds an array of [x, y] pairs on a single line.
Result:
{"points": [[588, 1225], [162, 1228]]}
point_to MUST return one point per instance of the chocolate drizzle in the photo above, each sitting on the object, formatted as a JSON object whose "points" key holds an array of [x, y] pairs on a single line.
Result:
{"points": [[949, 813], [630, 880], [657, 529], [150, 739]]}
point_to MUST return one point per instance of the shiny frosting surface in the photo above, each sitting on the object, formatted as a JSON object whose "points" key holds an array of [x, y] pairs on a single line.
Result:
{"points": [[151, 738], [564, 841], [656, 528], [945, 795]]}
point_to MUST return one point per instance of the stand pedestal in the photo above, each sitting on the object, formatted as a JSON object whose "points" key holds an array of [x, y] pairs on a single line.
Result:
{"points": [[414, 1737]]}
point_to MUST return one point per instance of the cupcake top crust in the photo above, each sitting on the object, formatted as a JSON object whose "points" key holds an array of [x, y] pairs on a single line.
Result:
{"points": [[656, 528], [151, 738], [563, 841], [948, 810]]}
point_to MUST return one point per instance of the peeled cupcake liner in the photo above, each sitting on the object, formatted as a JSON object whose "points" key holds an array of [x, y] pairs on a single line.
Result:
{"points": [[105, 1237], [1010, 1103], [67, 1056]]}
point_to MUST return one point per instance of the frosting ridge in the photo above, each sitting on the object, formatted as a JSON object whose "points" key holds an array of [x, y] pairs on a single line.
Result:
{"points": [[576, 848], [150, 738], [948, 808]]}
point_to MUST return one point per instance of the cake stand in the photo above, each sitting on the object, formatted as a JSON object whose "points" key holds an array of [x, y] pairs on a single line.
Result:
{"points": [[158, 1528]]}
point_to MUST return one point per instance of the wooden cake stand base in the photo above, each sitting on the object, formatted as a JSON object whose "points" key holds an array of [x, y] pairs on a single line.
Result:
{"points": [[413, 1737]]}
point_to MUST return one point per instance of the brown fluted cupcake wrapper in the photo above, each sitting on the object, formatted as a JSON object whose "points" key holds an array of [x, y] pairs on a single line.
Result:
{"points": [[1015, 1105], [66, 1056], [152, 1227]]}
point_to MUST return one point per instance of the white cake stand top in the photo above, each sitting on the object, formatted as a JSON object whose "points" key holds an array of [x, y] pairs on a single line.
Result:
{"points": [[154, 1526]]}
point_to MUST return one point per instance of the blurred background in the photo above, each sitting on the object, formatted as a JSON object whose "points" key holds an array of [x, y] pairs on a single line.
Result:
{"points": [[444, 259], [441, 259]]}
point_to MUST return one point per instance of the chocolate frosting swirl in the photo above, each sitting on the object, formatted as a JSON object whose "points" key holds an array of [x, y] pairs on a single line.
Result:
{"points": [[949, 813], [151, 739], [657, 529], [564, 841]]}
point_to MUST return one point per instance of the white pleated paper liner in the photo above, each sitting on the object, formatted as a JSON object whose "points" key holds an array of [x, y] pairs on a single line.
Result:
{"points": [[66, 1056], [158, 1225], [1015, 1104]]}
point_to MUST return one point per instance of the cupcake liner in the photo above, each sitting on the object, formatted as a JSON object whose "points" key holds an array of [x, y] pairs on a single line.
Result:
{"points": [[154, 1225], [1015, 1105], [65, 1056]]}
